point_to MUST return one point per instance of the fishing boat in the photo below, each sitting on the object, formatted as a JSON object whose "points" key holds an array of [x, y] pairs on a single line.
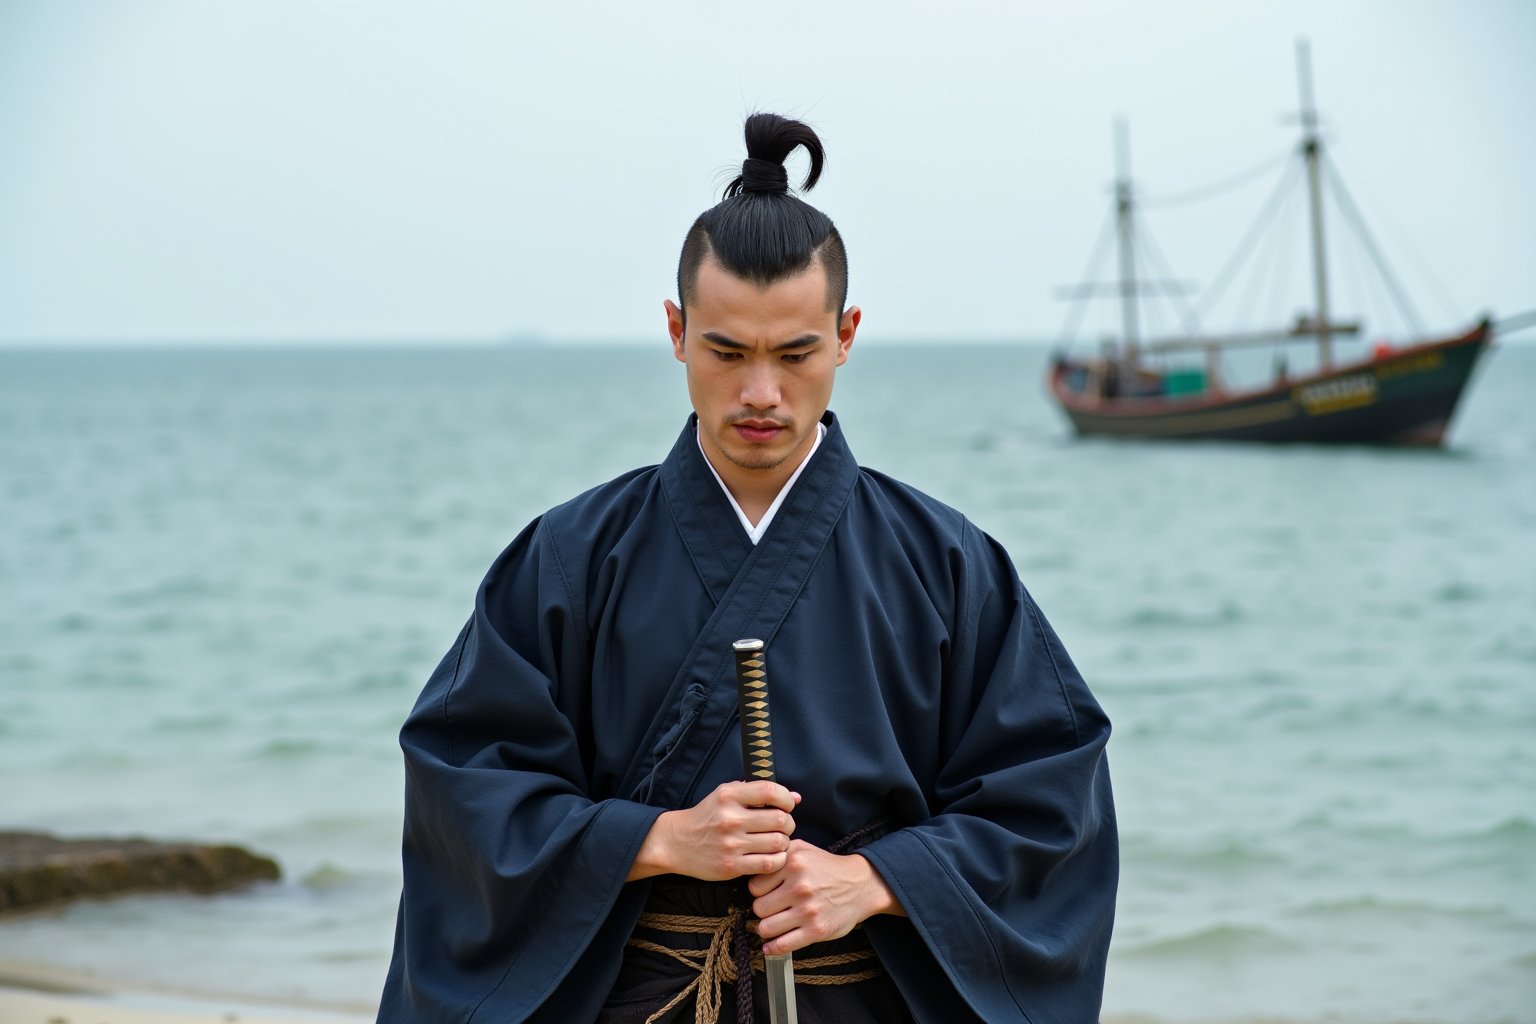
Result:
{"points": [[1402, 393]]}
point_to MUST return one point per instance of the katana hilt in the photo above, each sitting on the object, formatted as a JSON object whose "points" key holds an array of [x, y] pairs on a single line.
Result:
{"points": [[757, 759], [752, 698]]}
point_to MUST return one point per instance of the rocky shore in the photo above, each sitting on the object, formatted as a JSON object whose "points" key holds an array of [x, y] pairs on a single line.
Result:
{"points": [[39, 870]]}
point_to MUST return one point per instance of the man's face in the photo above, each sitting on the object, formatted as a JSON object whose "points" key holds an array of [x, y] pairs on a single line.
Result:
{"points": [[760, 365]]}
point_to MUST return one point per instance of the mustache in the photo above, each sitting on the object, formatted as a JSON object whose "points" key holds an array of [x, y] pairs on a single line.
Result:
{"points": [[742, 417]]}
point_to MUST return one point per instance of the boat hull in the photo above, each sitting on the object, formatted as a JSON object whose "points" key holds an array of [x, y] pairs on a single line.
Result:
{"points": [[1406, 396]]}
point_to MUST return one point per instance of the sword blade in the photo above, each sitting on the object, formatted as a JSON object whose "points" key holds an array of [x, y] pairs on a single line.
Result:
{"points": [[781, 989]]}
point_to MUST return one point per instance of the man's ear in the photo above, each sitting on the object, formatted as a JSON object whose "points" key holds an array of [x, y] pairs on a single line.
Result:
{"points": [[847, 327], [675, 327]]}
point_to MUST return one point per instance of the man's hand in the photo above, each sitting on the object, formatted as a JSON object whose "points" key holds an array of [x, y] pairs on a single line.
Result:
{"points": [[742, 828], [817, 896]]}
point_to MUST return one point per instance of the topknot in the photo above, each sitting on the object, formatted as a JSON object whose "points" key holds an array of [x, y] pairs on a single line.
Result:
{"points": [[770, 140]]}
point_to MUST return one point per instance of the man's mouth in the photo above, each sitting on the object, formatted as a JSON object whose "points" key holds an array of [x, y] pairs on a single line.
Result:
{"points": [[756, 431]]}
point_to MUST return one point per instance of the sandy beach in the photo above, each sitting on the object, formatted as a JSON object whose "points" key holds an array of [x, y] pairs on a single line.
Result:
{"points": [[37, 995], [31, 994], [35, 1006], [19, 1006]]}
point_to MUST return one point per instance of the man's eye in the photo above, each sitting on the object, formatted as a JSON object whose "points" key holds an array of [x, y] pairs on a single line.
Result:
{"points": [[725, 355], [796, 357]]}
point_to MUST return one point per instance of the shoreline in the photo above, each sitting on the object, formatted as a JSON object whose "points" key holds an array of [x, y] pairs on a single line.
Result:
{"points": [[37, 994], [33, 993]]}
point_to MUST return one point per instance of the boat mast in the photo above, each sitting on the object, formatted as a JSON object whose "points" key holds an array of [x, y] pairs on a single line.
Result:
{"points": [[1123, 213], [1311, 148]]}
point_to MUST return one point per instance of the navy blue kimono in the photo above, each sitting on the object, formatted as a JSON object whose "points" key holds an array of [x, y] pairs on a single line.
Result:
{"points": [[913, 679]]}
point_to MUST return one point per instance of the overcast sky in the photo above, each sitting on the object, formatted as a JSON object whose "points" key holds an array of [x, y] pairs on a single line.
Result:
{"points": [[184, 170]]}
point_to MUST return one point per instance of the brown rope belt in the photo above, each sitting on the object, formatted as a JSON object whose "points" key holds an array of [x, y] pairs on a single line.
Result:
{"points": [[732, 952]]}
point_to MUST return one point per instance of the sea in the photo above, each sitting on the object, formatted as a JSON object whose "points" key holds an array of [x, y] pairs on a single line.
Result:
{"points": [[225, 573]]}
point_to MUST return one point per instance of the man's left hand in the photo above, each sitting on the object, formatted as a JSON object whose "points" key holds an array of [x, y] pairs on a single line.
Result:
{"points": [[816, 896]]}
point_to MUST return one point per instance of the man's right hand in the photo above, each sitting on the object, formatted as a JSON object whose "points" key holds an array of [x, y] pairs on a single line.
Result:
{"points": [[742, 828]]}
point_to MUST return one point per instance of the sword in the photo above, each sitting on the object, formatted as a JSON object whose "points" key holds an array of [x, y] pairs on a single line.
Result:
{"points": [[757, 757]]}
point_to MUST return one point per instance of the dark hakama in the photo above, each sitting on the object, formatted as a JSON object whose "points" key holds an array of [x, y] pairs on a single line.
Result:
{"points": [[914, 680]]}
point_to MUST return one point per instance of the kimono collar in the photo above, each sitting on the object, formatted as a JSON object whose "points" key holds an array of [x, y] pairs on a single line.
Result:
{"points": [[755, 533]]}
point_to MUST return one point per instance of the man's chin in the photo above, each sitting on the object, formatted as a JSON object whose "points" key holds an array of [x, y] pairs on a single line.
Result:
{"points": [[762, 461], [756, 457]]}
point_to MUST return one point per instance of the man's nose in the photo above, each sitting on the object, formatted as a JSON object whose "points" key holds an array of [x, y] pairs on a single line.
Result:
{"points": [[760, 389]]}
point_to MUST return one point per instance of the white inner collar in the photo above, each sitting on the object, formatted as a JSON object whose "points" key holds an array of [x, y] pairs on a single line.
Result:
{"points": [[755, 533]]}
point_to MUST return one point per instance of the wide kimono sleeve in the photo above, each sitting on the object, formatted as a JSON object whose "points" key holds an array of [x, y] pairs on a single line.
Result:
{"points": [[1010, 884], [511, 868]]}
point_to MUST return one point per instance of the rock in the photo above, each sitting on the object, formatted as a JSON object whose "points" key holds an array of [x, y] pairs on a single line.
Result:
{"points": [[37, 869]]}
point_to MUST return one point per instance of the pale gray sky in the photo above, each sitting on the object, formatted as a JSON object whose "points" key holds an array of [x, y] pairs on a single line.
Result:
{"points": [[183, 170]]}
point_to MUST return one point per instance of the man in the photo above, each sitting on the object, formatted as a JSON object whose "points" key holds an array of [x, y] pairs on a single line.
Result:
{"points": [[576, 837]]}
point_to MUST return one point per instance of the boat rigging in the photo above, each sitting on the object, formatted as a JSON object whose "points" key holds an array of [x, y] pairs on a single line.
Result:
{"points": [[1398, 394]]}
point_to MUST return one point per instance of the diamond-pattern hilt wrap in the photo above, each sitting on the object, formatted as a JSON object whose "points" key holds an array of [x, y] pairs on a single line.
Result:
{"points": [[757, 757], [752, 697]]}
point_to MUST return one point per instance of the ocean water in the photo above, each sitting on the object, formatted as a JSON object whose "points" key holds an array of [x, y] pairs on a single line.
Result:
{"points": [[224, 575]]}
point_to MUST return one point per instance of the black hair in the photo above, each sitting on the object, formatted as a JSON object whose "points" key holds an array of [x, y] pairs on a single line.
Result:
{"points": [[758, 231]]}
